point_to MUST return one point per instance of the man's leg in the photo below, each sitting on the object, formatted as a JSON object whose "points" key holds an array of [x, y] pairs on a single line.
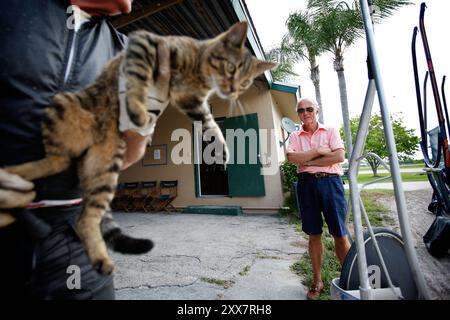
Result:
{"points": [[341, 247], [335, 212], [316, 254]]}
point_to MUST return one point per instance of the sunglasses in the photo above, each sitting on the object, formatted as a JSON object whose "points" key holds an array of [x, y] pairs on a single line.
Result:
{"points": [[302, 110]]}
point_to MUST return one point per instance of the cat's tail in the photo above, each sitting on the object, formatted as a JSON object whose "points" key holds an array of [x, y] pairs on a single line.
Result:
{"points": [[120, 242]]}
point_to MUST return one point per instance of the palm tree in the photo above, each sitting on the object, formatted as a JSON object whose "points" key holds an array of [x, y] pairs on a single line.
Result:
{"points": [[285, 68], [341, 25], [303, 41]]}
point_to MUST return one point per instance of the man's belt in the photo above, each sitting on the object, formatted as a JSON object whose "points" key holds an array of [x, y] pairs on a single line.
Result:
{"points": [[316, 175]]}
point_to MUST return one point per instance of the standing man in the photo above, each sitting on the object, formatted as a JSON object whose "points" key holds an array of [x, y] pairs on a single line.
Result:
{"points": [[317, 151]]}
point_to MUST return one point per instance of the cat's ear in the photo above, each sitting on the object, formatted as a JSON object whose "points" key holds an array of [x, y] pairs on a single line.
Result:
{"points": [[262, 66], [236, 35]]}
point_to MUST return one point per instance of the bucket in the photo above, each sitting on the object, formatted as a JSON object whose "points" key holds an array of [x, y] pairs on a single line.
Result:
{"points": [[337, 293]]}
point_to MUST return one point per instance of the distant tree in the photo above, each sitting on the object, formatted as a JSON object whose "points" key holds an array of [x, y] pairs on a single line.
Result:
{"points": [[406, 141]]}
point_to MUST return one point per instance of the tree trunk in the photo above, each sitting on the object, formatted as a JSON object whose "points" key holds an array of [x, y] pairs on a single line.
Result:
{"points": [[339, 68], [315, 78], [374, 164]]}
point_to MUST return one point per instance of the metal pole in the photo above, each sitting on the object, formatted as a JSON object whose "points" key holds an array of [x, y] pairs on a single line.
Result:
{"points": [[355, 158], [355, 197], [393, 159]]}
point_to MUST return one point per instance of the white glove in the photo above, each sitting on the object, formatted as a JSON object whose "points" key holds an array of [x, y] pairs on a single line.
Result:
{"points": [[158, 95]]}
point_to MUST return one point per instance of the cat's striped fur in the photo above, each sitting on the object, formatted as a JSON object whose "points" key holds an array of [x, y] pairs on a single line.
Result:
{"points": [[83, 126]]}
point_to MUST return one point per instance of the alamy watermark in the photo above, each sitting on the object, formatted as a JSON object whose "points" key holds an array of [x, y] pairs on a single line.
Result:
{"points": [[74, 279], [249, 146]]}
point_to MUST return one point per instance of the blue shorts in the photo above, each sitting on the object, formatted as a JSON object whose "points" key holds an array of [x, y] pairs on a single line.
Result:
{"points": [[322, 195]]}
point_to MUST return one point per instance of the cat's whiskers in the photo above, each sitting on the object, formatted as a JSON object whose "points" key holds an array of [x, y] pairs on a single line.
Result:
{"points": [[231, 104], [241, 109], [236, 103]]}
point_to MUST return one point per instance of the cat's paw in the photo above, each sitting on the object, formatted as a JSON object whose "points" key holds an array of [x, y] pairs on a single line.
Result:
{"points": [[103, 265], [138, 113], [98, 255], [221, 154], [225, 155]]}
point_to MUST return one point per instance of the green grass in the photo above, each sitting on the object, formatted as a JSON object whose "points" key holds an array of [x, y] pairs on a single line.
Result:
{"points": [[223, 283], [331, 267], [260, 256], [420, 164], [406, 177], [402, 166], [377, 213], [289, 211], [245, 271]]}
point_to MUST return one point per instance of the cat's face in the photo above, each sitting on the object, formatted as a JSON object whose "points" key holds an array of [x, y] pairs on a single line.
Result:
{"points": [[232, 67]]}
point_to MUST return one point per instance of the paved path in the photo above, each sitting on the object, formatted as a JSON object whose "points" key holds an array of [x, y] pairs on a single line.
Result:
{"points": [[207, 257]]}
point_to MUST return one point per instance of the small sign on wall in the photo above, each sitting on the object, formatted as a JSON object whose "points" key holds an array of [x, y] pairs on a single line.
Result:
{"points": [[155, 155]]}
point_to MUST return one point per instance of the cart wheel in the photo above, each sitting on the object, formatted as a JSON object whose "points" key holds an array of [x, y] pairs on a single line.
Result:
{"points": [[434, 207], [391, 247]]}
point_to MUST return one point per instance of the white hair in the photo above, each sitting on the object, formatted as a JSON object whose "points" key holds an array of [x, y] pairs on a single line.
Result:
{"points": [[310, 100]]}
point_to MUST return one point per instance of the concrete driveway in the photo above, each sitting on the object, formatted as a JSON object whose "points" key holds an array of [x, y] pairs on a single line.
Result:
{"points": [[210, 257]]}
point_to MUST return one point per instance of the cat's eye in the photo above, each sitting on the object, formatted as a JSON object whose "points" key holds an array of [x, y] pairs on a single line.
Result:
{"points": [[245, 83], [230, 67]]}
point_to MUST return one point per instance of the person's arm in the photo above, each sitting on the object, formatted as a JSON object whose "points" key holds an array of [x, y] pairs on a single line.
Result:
{"points": [[103, 7], [329, 159], [302, 157], [136, 145]]}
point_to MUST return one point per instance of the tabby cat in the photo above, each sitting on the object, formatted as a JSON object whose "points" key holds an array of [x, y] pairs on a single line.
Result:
{"points": [[83, 126]]}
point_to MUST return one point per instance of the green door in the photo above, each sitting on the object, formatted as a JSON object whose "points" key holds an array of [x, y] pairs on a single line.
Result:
{"points": [[244, 171]]}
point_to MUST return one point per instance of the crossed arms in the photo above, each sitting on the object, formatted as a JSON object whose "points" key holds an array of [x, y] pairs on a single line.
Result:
{"points": [[320, 157]]}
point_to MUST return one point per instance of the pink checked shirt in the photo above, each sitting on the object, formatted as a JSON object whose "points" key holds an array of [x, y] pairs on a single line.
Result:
{"points": [[322, 137]]}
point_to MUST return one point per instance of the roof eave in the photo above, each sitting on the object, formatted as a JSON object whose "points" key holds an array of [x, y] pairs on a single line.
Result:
{"points": [[242, 12]]}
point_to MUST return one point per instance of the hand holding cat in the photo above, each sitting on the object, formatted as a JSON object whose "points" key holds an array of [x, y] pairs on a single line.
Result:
{"points": [[15, 192]]}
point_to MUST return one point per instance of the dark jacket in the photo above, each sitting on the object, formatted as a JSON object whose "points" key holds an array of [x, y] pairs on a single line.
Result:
{"points": [[35, 45]]}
